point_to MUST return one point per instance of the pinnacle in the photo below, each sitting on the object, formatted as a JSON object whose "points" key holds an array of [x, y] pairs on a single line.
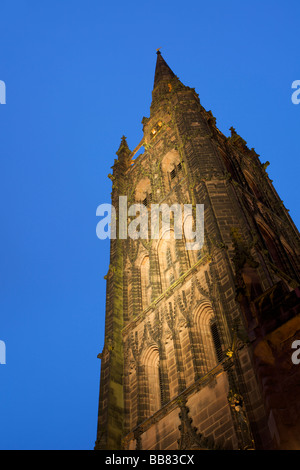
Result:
{"points": [[124, 152], [123, 144]]}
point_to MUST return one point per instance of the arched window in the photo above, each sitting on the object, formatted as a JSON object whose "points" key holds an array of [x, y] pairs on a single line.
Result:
{"points": [[210, 344], [152, 376]]}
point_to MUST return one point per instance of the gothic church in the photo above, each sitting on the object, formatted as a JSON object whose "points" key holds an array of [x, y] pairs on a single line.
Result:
{"points": [[198, 344]]}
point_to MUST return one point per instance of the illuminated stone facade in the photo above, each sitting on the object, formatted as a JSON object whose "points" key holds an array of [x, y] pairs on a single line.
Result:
{"points": [[197, 351]]}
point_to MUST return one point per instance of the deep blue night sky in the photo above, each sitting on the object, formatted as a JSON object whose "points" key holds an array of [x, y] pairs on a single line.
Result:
{"points": [[79, 75]]}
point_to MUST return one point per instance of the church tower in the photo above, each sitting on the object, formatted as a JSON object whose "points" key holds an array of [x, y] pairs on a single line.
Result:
{"points": [[198, 343]]}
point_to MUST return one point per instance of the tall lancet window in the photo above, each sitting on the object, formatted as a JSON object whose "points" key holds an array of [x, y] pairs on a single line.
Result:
{"points": [[152, 379], [210, 345]]}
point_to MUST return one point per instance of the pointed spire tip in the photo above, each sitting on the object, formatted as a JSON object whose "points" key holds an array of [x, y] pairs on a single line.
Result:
{"points": [[162, 70]]}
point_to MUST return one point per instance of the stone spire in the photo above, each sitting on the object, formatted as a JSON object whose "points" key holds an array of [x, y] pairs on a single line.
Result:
{"points": [[164, 82], [162, 70]]}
